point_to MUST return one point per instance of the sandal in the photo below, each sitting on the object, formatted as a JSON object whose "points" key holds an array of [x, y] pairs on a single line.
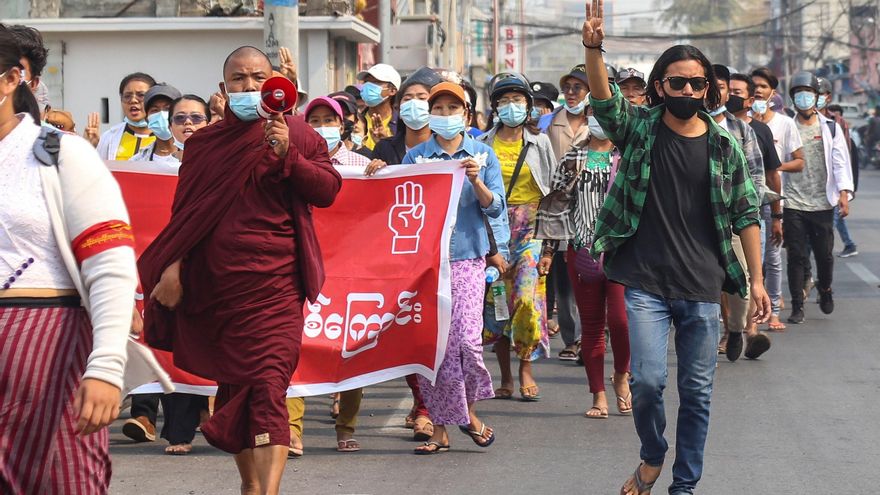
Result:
{"points": [[569, 353], [530, 393], [423, 429], [624, 404], [350, 445], [504, 393], [430, 448], [294, 451], [603, 413], [775, 326], [410, 421], [642, 488], [552, 328], [179, 449], [476, 436]]}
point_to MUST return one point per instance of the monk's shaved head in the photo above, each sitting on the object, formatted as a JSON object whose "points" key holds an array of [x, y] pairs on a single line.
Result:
{"points": [[246, 53]]}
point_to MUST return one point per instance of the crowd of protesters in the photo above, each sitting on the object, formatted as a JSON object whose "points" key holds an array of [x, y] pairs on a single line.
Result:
{"points": [[562, 197]]}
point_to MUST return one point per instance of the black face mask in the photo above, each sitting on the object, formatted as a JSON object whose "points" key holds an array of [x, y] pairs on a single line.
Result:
{"points": [[735, 104], [683, 107]]}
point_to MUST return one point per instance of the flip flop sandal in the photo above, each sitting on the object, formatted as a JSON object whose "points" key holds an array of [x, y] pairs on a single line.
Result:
{"points": [[776, 326], [603, 413], [623, 404], [477, 435], [409, 422], [642, 487], [567, 355], [178, 449], [527, 394], [437, 448], [503, 393], [294, 452], [350, 445]]}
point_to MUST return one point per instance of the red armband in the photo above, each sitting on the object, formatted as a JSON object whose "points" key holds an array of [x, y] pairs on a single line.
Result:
{"points": [[101, 237]]}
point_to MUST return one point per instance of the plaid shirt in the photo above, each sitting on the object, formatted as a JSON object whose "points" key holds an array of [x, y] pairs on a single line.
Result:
{"points": [[733, 199]]}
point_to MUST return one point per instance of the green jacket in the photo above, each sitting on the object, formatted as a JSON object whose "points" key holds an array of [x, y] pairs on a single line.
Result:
{"points": [[733, 199]]}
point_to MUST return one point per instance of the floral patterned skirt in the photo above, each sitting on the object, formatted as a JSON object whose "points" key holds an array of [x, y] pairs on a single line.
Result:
{"points": [[526, 291]]}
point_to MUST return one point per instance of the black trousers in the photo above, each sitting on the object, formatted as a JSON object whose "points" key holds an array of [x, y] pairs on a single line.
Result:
{"points": [[181, 413], [805, 231], [145, 405]]}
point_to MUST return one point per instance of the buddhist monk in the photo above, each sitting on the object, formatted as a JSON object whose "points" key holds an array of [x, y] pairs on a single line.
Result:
{"points": [[228, 276]]}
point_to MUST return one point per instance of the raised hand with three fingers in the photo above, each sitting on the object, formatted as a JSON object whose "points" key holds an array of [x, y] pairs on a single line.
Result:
{"points": [[593, 31], [288, 66], [93, 129]]}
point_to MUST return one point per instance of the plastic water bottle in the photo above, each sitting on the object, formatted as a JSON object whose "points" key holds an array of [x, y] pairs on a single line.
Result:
{"points": [[499, 295]]}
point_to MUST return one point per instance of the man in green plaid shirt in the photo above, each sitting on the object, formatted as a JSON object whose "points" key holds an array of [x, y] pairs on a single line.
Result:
{"points": [[682, 190]]}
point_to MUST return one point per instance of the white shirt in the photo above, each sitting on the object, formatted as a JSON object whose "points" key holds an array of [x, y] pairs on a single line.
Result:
{"points": [[25, 227], [786, 137]]}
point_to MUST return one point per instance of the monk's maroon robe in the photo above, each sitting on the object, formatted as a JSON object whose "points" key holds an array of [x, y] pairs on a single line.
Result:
{"points": [[241, 223]]}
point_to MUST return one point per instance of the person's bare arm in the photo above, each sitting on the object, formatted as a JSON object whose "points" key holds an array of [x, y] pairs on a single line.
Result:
{"points": [[796, 164], [751, 243], [593, 33]]}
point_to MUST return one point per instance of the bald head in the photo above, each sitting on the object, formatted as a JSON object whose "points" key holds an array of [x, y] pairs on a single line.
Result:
{"points": [[245, 69]]}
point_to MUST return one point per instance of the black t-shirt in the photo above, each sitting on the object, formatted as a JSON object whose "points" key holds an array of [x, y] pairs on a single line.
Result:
{"points": [[765, 144], [675, 251]]}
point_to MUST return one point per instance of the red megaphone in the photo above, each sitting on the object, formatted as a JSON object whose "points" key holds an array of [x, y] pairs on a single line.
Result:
{"points": [[277, 95]]}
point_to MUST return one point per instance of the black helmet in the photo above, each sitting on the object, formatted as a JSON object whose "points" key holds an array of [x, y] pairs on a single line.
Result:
{"points": [[509, 81], [824, 86], [803, 80]]}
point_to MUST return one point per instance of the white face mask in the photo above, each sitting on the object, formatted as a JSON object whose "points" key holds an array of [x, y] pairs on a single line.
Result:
{"points": [[595, 128]]}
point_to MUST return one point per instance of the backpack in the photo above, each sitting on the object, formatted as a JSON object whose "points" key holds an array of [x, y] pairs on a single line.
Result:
{"points": [[47, 146]]}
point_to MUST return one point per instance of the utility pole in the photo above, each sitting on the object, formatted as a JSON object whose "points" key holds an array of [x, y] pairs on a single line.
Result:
{"points": [[281, 28], [496, 22], [385, 30]]}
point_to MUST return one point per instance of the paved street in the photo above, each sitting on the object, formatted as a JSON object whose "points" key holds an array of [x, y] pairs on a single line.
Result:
{"points": [[800, 420]]}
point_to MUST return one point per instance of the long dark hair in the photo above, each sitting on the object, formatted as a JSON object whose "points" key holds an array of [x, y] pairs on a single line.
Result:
{"points": [[675, 54], [10, 56]]}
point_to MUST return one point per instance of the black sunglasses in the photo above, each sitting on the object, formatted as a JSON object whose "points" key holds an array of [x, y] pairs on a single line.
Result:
{"points": [[195, 118], [678, 83]]}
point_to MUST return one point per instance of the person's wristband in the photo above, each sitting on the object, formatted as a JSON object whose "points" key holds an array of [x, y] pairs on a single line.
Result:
{"points": [[776, 216], [599, 47]]}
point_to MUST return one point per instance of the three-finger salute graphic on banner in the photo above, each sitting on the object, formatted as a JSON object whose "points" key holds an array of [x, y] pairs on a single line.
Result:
{"points": [[406, 218]]}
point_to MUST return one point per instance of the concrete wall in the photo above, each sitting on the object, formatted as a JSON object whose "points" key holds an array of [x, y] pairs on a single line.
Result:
{"points": [[95, 62]]}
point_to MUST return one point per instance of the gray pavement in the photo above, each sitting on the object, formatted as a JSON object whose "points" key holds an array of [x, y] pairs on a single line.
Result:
{"points": [[800, 420]]}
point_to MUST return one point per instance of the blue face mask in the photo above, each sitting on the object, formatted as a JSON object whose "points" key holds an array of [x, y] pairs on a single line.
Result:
{"points": [[512, 114], [158, 123], [244, 105], [535, 114], [371, 93], [357, 140], [415, 114], [139, 124], [759, 107], [596, 129], [179, 144], [447, 127], [331, 135], [822, 102], [718, 111], [804, 100], [577, 109]]}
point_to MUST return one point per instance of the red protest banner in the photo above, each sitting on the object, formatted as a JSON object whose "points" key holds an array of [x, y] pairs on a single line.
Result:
{"points": [[385, 308]]}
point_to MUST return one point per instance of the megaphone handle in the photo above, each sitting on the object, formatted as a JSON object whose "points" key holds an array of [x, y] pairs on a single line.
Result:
{"points": [[272, 142]]}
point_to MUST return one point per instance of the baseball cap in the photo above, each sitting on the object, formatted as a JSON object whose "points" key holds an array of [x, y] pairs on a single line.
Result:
{"points": [[382, 72], [324, 101], [163, 90], [448, 88], [630, 73], [578, 72], [425, 76], [544, 91], [346, 101]]}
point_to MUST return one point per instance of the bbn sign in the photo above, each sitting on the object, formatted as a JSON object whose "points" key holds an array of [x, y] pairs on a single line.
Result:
{"points": [[510, 53], [385, 308]]}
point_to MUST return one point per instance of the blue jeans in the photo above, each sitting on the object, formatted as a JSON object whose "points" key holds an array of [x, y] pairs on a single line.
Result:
{"points": [[696, 343], [840, 225]]}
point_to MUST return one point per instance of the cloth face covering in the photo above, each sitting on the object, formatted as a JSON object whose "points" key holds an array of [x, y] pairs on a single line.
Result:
{"points": [[371, 93], [331, 135], [512, 114], [595, 128], [804, 100], [683, 107], [759, 106]]}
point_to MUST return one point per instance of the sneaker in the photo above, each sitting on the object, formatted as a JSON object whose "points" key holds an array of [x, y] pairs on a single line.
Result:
{"points": [[734, 346], [758, 344], [826, 301], [797, 315], [848, 251], [139, 429]]}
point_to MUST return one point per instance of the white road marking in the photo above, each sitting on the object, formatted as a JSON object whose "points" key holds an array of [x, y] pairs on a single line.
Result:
{"points": [[863, 273], [396, 417]]}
